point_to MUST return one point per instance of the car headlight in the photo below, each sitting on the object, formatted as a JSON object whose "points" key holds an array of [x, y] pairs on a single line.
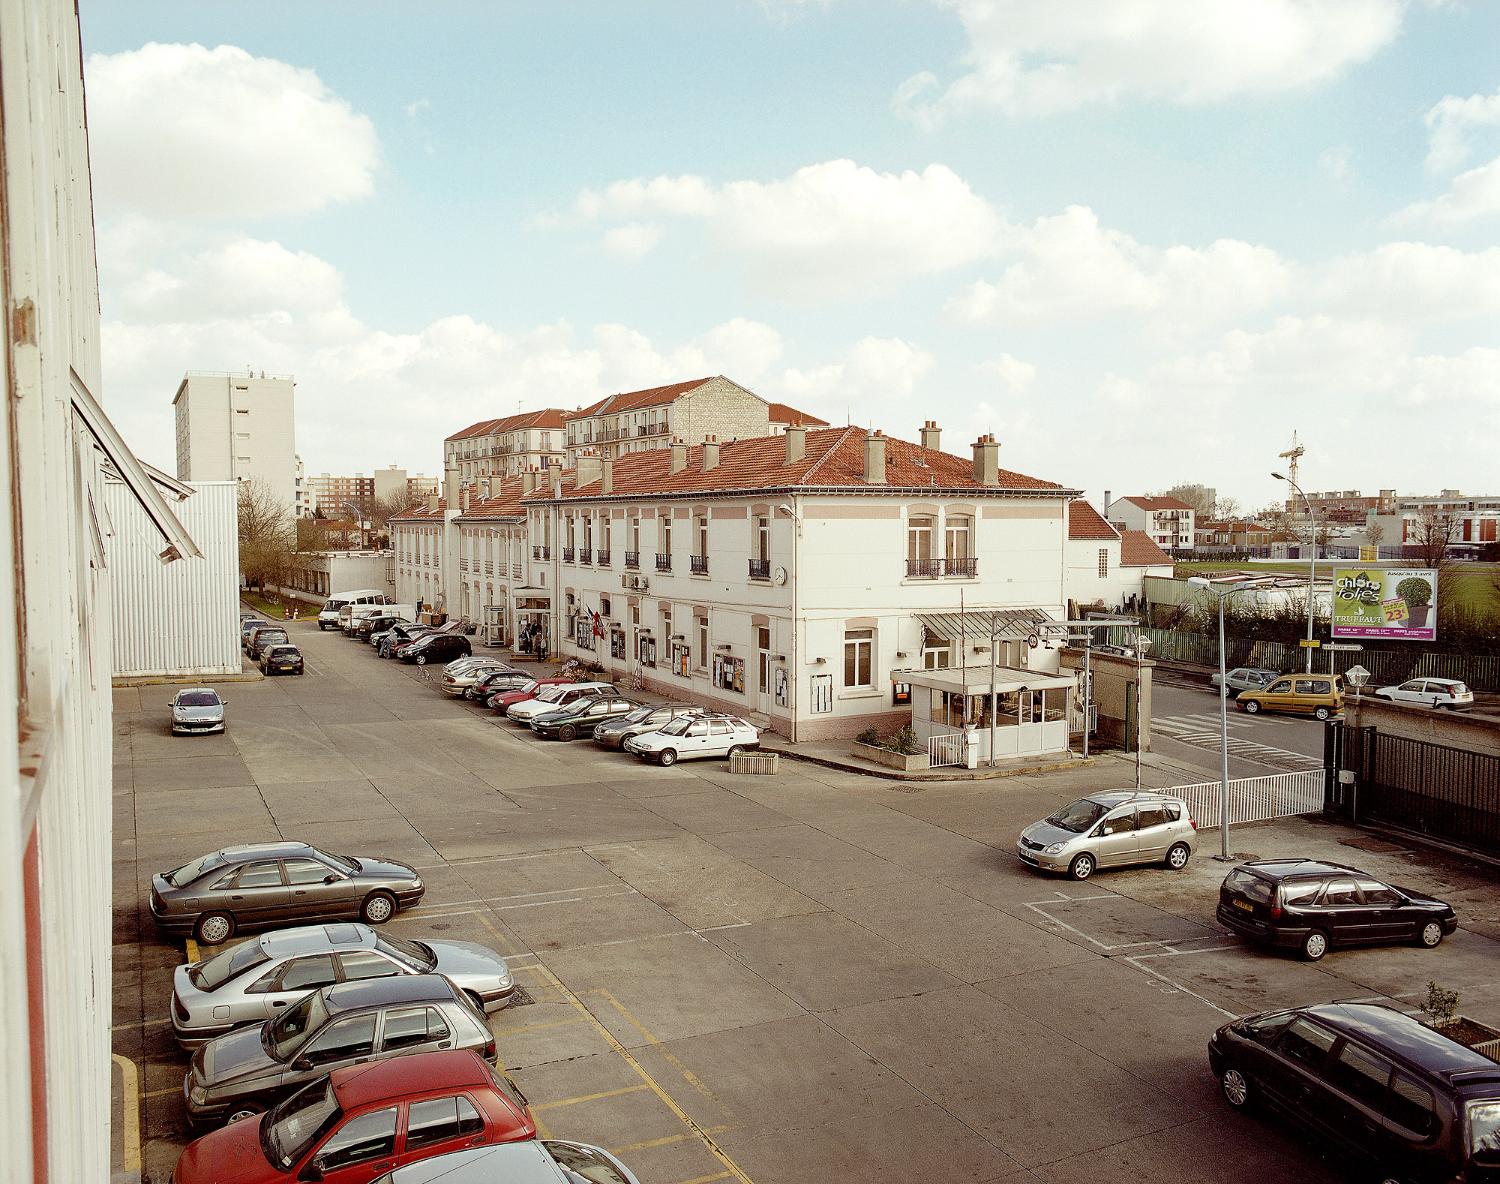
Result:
{"points": [[198, 1095], [1055, 849], [416, 881]]}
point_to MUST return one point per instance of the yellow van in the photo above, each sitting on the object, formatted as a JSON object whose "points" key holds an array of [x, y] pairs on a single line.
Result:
{"points": [[1318, 695]]}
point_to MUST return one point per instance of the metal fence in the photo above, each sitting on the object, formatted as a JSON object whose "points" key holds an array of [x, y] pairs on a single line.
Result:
{"points": [[1480, 671], [1448, 793], [1254, 799], [944, 751]]}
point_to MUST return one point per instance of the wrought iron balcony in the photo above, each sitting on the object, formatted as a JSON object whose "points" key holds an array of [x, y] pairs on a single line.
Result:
{"points": [[699, 564], [760, 569], [632, 559], [924, 569], [601, 557], [663, 562], [962, 569], [567, 554]]}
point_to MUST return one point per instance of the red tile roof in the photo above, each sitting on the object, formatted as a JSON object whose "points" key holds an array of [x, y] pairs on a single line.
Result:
{"points": [[781, 413], [1084, 522], [1137, 550], [1158, 503], [833, 457], [635, 400], [547, 417], [506, 500]]}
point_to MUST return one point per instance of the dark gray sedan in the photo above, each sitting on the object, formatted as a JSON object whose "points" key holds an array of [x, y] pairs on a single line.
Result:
{"points": [[271, 883], [615, 732], [245, 1071]]}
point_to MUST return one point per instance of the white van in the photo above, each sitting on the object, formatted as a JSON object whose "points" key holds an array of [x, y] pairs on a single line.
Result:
{"points": [[328, 617]]}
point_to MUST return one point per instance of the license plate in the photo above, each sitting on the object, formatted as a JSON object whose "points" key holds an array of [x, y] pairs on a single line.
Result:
{"points": [[1243, 904]]}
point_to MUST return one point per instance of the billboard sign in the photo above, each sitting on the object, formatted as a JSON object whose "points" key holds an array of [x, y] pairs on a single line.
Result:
{"points": [[1395, 604]]}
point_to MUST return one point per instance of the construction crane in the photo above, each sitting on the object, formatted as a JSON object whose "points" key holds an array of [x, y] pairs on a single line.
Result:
{"points": [[1290, 456]]}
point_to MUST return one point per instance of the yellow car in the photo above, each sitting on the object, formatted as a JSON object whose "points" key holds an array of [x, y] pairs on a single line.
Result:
{"points": [[1318, 695]]}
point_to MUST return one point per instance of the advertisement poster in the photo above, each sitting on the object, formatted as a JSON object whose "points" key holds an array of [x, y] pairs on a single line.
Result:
{"points": [[1393, 604], [783, 688], [617, 643], [822, 693]]}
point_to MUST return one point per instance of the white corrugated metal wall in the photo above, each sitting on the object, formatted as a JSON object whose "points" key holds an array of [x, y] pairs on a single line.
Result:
{"points": [[179, 618]]}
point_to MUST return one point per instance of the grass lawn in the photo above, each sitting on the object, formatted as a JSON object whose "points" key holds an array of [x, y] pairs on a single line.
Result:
{"points": [[1476, 585], [271, 608]]}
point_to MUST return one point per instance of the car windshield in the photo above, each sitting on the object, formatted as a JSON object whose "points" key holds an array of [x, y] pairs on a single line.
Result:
{"points": [[678, 726], [283, 651], [529, 687], [228, 964], [551, 694], [345, 863], [197, 699], [1458, 688], [293, 1126], [189, 872], [414, 953], [1484, 1131], [639, 716], [289, 1031], [577, 707], [1079, 815]]}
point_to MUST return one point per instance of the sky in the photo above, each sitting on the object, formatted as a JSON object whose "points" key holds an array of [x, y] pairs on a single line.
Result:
{"points": [[1140, 241]]}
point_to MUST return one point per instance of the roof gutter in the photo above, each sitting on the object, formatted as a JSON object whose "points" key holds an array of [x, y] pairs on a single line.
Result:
{"points": [[922, 491]]}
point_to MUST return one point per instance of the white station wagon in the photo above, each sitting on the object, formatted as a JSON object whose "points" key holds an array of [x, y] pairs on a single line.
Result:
{"points": [[1430, 692], [695, 736]]}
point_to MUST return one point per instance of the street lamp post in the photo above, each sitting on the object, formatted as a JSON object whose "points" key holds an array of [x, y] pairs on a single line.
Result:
{"points": [[1312, 561], [1142, 644]]}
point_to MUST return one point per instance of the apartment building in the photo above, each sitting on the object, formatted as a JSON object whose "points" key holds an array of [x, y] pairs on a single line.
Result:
{"points": [[1348, 506], [505, 447], [306, 502], [638, 421], [238, 427], [1470, 521], [333, 496], [1167, 521], [1107, 567]]}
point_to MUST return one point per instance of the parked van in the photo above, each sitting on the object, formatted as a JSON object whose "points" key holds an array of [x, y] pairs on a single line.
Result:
{"points": [[1319, 695], [1370, 1083], [352, 616], [328, 616]]}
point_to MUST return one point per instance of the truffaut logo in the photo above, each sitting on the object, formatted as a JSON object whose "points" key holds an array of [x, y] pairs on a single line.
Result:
{"points": [[1359, 587]]}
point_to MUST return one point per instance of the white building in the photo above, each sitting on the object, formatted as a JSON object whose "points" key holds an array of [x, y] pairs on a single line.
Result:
{"points": [[307, 502], [56, 447], [238, 427], [177, 619], [1107, 568], [1167, 521], [507, 446], [316, 575]]}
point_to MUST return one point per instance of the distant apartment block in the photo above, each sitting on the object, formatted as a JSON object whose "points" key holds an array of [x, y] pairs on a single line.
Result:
{"points": [[1347, 506], [238, 427], [334, 496], [505, 447], [1166, 521]]}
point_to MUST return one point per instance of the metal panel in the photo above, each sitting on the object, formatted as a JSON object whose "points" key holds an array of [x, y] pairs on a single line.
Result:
{"points": [[180, 618]]}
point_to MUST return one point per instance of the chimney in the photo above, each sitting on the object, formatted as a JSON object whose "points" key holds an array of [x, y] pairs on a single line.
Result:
{"points": [[528, 480], [932, 435], [432, 503], [875, 458], [450, 489], [484, 489], [463, 499], [710, 453], [1104, 509], [796, 443], [987, 460], [588, 467], [606, 474], [679, 456], [557, 481]]}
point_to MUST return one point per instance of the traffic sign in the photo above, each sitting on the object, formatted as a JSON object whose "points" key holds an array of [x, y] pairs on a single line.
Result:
{"points": [[1309, 643]]}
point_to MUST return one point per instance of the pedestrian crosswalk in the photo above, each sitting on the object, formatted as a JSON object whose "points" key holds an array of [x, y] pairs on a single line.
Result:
{"points": [[1201, 730]]}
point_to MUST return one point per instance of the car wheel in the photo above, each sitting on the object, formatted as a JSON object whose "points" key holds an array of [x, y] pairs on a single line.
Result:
{"points": [[666, 758], [1430, 936], [244, 1110], [1250, 705], [1322, 713], [421, 659], [1236, 1088], [567, 732], [1082, 867], [734, 751], [214, 928], [379, 907], [1178, 855], [1314, 945]]}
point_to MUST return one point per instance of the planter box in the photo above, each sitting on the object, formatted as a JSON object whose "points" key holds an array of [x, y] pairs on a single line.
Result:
{"points": [[761, 764], [1482, 1038], [891, 760]]}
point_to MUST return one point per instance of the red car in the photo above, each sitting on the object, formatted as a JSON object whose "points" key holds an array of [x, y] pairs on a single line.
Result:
{"points": [[362, 1121], [498, 703]]}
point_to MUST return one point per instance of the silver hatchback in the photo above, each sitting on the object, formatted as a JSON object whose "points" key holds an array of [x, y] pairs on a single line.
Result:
{"points": [[1114, 829], [256, 980]]}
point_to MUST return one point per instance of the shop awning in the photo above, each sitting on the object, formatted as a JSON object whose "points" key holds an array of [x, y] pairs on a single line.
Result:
{"points": [[977, 680], [978, 625]]}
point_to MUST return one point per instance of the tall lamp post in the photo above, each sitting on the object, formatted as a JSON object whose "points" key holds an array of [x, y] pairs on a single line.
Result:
{"points": [[1224, 594], [1142, 644], [1312, 561]]}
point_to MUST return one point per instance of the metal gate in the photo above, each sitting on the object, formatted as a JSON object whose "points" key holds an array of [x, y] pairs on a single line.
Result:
{"points": [[944, 751], [1254, 799]]}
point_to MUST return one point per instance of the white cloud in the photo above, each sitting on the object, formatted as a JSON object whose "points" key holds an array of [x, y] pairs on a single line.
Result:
{"points": [[417, 106], [1411, 281], [1451, 123], [633, 240], [874, 380], [1026, 58], [1471, 196], [829, 227], [186, 132], [1013, 375]]}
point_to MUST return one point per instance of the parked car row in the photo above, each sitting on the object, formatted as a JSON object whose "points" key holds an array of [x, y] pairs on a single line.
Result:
{"points": [[1256, 689]]}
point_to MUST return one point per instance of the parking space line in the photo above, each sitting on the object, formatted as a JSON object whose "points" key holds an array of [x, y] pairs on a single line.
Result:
{"points": [[543, 1027], [731, 1168], [130, 1117], [706, 1179], [581, 1098], [687, 1074], [1137, 960], [1127, 945], [664, 1141], [191, 947], [162, 1093]]}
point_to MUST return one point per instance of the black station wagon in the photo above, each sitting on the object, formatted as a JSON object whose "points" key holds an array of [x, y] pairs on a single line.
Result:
{"points": [[1370, 1084]]}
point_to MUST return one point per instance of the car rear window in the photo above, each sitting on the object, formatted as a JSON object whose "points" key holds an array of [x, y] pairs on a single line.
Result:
{"points": [[1249, 885], [1299, 893], [188, 872], [218, 970]]}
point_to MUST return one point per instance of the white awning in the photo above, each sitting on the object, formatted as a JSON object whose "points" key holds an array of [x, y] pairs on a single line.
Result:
{"points": [[980, 624], [976, 679]]}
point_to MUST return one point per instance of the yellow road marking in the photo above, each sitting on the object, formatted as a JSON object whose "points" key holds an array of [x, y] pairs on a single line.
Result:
{"points": [[664, 1141], [539, 1027], [192, 950], [608, 1093], [161, 1093], [130, 1119], [506, 946], [731, 1168], [706, 1179], [687, 1074]]}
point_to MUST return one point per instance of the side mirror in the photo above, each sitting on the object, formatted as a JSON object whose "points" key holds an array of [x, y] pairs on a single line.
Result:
{"points": [[311, 1173], [332, 878], [302, 1064], [1097, 832]]}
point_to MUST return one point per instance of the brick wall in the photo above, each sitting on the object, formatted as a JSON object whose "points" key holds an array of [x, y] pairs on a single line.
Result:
{"points": [[719, 408]]}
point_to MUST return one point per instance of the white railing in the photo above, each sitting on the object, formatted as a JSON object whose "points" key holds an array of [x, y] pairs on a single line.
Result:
{"points": [[945, 751], [1254, 799]]}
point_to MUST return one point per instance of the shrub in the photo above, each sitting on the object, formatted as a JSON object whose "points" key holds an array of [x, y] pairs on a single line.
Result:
{"points": [[868, 736], [905, 742], [1415, 591], [1441, 1006]]}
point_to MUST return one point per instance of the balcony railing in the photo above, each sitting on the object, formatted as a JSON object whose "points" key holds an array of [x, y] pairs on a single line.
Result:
{"points": [[924, 569], [699, 564], [936, 569], [760, 569], [515, 570], [601, 557], [961, 569], [663, 562], [541, 552], [567, 554], [632, 559], [584, 555]]}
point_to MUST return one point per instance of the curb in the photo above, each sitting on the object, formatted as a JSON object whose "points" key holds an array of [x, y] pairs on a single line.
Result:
{"points": [[887, 774]]}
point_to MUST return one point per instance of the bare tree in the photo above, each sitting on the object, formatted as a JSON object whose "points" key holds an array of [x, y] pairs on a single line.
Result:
{"points": [[268, 535], [1200, 497], [1374, 532], [1227, 509], [383, 509], [1429, 537]]}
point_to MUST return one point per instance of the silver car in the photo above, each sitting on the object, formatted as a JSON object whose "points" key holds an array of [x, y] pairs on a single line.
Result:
{"points": [[1113, 829], [256, 980], [1246, 678], [196, 709], [531, 1161]]}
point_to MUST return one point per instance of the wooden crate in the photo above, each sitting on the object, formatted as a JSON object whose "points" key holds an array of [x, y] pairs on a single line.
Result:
{"points": [[762, 764]]}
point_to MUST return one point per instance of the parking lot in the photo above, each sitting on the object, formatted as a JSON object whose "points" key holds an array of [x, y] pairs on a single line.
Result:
{"points": [[809, 977]]}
